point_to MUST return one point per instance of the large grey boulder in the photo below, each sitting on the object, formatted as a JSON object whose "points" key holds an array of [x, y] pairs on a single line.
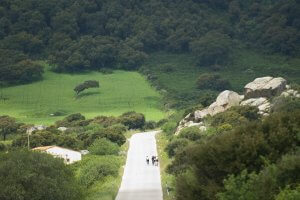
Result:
{"points": [[225, 100], [265, 87]]}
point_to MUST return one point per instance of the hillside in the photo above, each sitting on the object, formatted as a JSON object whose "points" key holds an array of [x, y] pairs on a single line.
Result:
{"points": [[119, 92]]}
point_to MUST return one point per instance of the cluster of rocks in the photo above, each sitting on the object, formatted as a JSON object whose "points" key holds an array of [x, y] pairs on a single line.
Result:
{"points": [[257, 93]]}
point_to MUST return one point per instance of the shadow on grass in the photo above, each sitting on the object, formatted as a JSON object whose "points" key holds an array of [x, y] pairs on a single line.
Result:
{"points": [[86, 94]]}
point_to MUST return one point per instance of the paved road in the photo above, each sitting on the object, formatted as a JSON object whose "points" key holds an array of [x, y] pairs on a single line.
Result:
{"points": [[141, 181]]}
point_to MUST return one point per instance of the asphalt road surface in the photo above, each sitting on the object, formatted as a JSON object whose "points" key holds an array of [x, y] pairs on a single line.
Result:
{"points": [[141, 181]]}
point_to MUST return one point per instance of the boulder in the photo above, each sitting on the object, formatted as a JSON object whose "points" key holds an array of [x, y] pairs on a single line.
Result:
{"points": [[254, 102], [202, 128], [265, 87], [200, 114], [228, 98]]}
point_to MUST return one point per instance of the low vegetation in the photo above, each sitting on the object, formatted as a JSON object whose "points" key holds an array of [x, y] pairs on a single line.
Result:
{"points": [[240, 157]]}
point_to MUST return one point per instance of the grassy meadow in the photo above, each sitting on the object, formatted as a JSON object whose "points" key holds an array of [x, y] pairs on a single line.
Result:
{"points": [[118, 93]]}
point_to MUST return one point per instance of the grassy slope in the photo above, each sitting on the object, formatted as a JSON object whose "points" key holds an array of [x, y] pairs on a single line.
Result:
{"points": [[119, 92], [247, 65]]}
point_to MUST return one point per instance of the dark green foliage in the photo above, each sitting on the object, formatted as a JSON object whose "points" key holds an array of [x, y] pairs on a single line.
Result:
{"points": [[3, 147], [47, 138], [264, 185], [86, 85], [245, 147], [85, 35], [97, 169], [235, 116], [106, 121], [8, 125], [104, 147], [15, 67], [213, 48], [212, 82], [191, 133], [73, 120], [176, 145], [113, 133], [27, 175], [285, 104], [133, 120], [149, 125]]}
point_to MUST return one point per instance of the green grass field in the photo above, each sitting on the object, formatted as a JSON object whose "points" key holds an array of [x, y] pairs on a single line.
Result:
{"points": [[118, 93]]}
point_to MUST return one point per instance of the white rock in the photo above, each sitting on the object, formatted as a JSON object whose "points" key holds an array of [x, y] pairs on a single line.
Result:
{"points": [[254, 102], [200, 114], [288, 87], [290, 91], [202, 128], [298, 95], [228, 98], [62, 128], [264, 107], [295, 93], [265, 87], [285, 94]]}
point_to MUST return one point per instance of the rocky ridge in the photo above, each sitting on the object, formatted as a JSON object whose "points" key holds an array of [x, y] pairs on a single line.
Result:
{"points": [[257, 93]]}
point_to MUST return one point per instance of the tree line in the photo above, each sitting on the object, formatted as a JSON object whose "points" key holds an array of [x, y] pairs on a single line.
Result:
{"points": [[79, 35]]}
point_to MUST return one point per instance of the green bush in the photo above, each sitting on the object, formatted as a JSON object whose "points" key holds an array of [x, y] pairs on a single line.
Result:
{"points": [[289, 194], [2, 147], [133, 120], [35, 175], [245, 147], [169, 127], [212, 82], [149, 125], [176, 145], [266, 184], [191, 133], [104, 147], [285, 104], [98, 168]]}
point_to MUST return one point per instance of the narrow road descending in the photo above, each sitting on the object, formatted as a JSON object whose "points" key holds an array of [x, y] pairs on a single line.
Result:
{"points": [[141, 181]]}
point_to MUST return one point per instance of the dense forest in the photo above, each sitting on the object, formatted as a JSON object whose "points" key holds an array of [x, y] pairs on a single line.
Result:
{"points": [[76, 35]]}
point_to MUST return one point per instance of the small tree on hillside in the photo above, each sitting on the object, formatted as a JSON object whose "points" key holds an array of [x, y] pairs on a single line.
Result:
{"points": [[8, 125], [87, 84]]}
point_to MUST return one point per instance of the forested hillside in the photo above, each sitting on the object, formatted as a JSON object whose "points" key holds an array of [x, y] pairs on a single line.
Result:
{"points": [[77, 35]]}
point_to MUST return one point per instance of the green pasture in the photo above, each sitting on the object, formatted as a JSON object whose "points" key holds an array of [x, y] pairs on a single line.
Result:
{"points": [[118, 93]]}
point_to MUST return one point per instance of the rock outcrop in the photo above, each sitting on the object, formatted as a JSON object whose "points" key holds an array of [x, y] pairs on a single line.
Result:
{"points": [[265, 87], [257, 93]]}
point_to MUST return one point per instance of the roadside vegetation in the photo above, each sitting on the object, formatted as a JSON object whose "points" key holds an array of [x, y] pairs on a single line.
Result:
{"points": [[97, 176], [240, 156]]}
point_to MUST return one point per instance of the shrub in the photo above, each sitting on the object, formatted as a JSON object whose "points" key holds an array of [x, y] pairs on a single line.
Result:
{"points": [[98, 168], [169, 127], [212, 82], [104, 147], [191, 133], [150, 125], [106, 121], [176, 145], [133, 120], [34, 175], [73, 120], [289, 194], [2, 147], [285, 104]]}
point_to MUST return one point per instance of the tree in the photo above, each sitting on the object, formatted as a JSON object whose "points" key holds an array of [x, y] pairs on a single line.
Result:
{"points": [[8, 125], [133, 120], [28, 175], [104, 147], [213, 48], [86, 85]]}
